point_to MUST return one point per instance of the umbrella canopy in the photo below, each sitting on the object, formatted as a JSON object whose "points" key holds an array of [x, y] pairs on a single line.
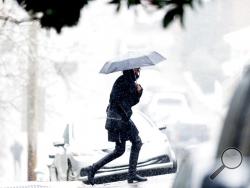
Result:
{"points": [[132, 60]]}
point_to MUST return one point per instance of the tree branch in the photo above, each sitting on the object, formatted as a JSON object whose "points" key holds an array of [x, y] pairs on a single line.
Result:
{"points": [[13, 20]]}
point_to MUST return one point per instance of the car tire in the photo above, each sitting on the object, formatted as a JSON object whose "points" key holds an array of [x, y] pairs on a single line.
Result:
{"points": [[175, 166], [70, 173]]}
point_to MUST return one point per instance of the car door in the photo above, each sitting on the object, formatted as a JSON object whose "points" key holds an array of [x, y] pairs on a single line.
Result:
{"points": [[235, 132]]}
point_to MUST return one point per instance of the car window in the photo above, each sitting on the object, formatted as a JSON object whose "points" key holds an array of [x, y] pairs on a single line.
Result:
{"points": [[234, 123], [169, 103]]}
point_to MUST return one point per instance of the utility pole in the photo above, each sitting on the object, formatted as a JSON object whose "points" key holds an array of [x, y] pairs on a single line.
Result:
{"points": [[32, 105]]}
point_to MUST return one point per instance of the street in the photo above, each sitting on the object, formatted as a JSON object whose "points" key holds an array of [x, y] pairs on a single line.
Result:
{"points": [[162, 181]]}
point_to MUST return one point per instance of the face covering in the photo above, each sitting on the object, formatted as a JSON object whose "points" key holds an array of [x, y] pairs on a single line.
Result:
{"points": [[137, 76]]}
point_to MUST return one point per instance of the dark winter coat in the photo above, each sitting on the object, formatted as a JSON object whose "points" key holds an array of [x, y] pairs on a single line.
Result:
{"points": [[123, 96]]}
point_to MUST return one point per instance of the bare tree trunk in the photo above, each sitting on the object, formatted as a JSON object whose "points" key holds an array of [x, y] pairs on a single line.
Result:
{"points": [[32, 119]]}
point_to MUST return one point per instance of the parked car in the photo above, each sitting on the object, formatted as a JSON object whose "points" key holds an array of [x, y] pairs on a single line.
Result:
{"points": [[199, 165], [187, 130], [88, 143], [165, 105], [185, 133]]}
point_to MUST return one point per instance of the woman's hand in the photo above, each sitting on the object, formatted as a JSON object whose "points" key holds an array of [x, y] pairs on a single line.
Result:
{"points": [[139, 88]]}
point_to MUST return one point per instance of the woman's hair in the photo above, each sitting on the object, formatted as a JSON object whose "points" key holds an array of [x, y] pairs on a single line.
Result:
{"points": [[129, 74]]}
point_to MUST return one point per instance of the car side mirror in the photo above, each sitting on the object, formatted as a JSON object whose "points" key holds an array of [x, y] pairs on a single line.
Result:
{"points": [[163, 128], [58, 144]]}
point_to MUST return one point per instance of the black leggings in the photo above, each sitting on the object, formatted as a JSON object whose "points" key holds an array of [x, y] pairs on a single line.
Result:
{"points": [[118, 151]]}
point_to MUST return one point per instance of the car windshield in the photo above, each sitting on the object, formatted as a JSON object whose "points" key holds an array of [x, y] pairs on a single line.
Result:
{"points": [[165, 105], [186, 131], [168, 101], [93, 134], [148, 130]]}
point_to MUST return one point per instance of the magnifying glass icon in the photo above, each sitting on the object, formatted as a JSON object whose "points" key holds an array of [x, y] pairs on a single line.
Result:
{"points": [[231, 158]]}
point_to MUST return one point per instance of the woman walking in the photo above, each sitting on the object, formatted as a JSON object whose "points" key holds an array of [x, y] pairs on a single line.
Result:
{"points": [[125, 94]]}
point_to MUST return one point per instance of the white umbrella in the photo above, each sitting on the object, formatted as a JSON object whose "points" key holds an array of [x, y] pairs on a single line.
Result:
{"points": [[132, 60]]}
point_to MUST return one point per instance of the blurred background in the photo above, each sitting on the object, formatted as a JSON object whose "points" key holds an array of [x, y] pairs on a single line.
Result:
{"points": [[51, 80]]}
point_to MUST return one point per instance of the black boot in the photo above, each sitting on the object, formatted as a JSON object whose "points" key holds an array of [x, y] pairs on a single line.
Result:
{"points": [[90, 173], [136, 178], [91, 170], [134, 154]]}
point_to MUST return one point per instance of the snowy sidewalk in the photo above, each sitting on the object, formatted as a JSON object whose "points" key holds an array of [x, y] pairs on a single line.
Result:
{"points": [[162, 181]]}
